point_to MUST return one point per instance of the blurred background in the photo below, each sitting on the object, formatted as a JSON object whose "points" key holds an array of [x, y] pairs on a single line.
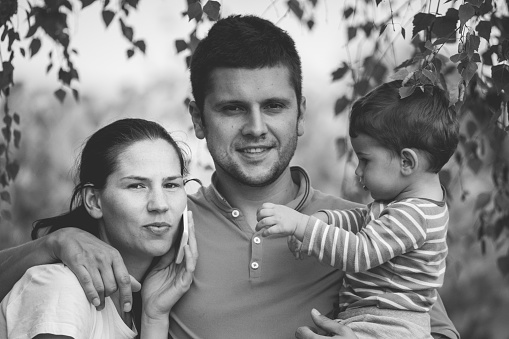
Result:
{"points": [[155, 86]]}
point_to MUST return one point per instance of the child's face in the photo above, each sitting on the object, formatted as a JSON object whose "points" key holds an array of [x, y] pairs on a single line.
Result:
{"points": [[378, 169]]}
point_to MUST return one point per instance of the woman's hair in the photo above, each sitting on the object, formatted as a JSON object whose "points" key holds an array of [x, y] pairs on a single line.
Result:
{"points": [[99, 158]]}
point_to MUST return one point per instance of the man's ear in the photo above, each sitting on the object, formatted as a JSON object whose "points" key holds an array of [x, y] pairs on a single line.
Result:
{"points": [[92, 201], [408, 161], [196, 116], [300, 122]]}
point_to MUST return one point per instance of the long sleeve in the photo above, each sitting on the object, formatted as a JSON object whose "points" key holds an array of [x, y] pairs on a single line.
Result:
{"points": [[352, 247]]}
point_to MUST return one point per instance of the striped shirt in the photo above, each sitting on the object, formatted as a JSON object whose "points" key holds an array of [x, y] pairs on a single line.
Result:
{"points": [[393, 254]]}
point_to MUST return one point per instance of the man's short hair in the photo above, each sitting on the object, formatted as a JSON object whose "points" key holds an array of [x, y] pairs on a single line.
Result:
{"points": [[423, 120], [243, 42]]}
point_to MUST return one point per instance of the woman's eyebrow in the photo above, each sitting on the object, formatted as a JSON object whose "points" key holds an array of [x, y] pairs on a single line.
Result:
{"points": [[140, 178]]}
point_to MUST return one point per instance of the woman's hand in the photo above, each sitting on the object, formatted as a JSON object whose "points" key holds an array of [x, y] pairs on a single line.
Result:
{"points": [[167, 281]]}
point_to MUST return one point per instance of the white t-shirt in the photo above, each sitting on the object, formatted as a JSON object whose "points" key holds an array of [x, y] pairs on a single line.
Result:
{"points": [[49, 299]]}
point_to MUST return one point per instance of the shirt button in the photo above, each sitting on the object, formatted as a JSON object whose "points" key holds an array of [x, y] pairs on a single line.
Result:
{"points": [[235, 213], [254, 265], [257, 240]]}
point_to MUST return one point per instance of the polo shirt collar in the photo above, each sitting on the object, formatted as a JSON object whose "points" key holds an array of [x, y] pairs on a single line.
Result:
{"points": [[299, 175]]}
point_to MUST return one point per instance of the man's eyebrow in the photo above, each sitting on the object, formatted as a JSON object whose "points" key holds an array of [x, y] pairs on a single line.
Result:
{"points": [[139, 178]]}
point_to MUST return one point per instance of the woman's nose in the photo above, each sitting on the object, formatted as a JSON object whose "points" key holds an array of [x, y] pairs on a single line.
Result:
{"points": [[157, 201]]}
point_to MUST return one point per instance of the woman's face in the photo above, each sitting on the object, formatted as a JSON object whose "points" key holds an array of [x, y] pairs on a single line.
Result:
{"points": [[143, 200]]}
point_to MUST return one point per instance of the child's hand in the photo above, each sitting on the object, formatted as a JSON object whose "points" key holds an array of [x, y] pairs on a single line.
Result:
{"points": [[295, 247], [282, 220]]}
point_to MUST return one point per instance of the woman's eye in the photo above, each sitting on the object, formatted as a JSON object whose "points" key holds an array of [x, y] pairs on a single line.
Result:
{"points": [[136, 186]]}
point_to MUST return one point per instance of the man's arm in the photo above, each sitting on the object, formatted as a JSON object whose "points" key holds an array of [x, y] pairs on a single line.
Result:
{"points": [[441, 325], [98, 266]]}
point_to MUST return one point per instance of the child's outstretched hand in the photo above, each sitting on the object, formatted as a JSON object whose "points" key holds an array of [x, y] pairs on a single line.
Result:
{"points": [[281, 220]]}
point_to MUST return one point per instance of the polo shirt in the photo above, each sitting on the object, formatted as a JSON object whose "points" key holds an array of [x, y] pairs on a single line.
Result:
{"points": [[248, 286]]}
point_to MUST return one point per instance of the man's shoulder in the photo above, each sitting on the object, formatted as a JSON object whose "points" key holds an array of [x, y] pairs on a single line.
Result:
{"points": [[320, 200]]}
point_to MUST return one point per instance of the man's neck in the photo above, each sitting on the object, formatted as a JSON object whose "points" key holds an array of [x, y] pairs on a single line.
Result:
{"points": [[248, 198]]}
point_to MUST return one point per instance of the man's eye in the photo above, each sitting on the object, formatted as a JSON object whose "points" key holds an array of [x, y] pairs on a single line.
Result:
{"points": [[275, 106], [136, 186], [233, 109]]}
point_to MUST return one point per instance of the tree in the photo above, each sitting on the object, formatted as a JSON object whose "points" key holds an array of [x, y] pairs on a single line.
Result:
{"points": [[460, 46]]}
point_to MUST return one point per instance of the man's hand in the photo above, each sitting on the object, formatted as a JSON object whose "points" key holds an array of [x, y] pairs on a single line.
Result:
{"points": [[281, 220], [98, 266], [331, 328]]}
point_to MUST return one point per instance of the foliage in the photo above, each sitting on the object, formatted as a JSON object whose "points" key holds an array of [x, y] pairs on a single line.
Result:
{"points": [[475, 75], [460, 46]]}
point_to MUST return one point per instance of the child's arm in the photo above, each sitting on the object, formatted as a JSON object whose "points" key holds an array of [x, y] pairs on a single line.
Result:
{"points": [[399, 230], [281, 220]]}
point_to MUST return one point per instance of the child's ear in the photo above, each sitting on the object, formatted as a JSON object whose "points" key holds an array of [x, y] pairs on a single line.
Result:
{"points": [[408, 161], [92, 201]]}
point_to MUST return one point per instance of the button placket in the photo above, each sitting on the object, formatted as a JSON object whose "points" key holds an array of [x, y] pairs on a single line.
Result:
{"points": [[256, 256]]}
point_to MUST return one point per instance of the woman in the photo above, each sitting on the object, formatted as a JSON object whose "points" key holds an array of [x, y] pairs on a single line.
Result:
{"points": [[131, 195]]}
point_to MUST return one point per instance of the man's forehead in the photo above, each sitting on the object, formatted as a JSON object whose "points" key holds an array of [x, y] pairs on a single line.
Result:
{"points": [[250, 84]]}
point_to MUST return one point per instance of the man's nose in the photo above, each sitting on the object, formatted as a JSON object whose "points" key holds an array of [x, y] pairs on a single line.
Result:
{"points": [[255, 124]]}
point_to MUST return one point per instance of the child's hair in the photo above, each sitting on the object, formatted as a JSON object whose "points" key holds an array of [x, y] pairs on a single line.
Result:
{"points": [[422, 121], [243, 42]]}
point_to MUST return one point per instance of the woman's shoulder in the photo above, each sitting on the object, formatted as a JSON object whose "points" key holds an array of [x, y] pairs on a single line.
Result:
{"points": [[45, 281]]}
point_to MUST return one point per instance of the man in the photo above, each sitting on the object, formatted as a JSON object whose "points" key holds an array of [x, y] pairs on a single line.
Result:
{"points": [[246, 80]]}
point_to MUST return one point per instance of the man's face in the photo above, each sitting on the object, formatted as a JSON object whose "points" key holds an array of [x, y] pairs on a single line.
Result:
{"points": [[251, 122]]}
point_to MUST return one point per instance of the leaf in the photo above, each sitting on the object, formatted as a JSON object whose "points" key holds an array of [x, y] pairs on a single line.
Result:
{"points": [[2, 149], [340, 147], [406, 91], [382, 29], [181, 45], [6, 132], [399, 75], [352, 32], [458, 57], [126, 30], [194, 11], [475, 3], [465, 12], [50, 66], [85, 3], [482, 200], [107, 17], [17, 138], [5, 196], [421, 22], [403, 32], [130, 53], [294, 6], [430, 75], [341, 104], [141, 45], [16, 118], [340, 72], [361, 87], [471, 128], [310, 24], [6, 214], [378, 2], [212, 8], [60, 94], [64, 76], [31, 30], [445, 26], [503, 264], [76, 94], [500, 76], [35, 45], [22, 51], [12, 170], [483, 28], [349, 11]]}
